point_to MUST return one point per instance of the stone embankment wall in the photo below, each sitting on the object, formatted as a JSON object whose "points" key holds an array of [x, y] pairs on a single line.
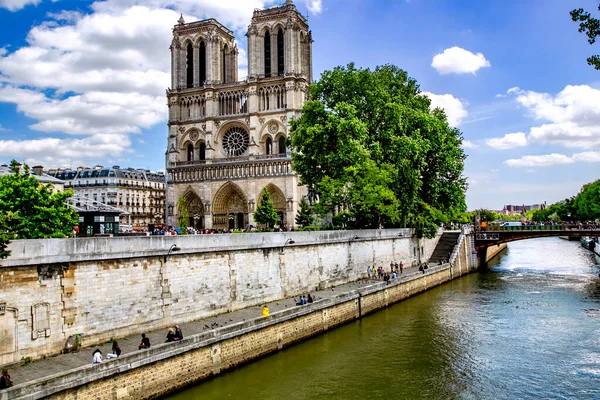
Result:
{"points": [[493, 251], [112, 287], [170, 366]]}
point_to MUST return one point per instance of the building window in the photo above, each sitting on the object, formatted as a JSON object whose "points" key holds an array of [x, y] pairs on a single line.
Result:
{"points": [[269, 146], [267, 54], [282, 145], [202, 151], [202, 63], [280, 53], [190, 152], [190, 65], [224, 56], [235, 141]]}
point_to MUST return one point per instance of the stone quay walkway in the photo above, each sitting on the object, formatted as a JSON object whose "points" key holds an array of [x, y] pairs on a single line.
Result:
{"points": [[64, 362]]}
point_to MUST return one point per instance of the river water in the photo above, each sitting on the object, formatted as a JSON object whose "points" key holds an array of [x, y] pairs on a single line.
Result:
{"points": [[528, 329]]}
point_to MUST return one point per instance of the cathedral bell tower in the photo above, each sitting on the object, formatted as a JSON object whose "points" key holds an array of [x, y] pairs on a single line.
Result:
{"points": [[227, 138]]}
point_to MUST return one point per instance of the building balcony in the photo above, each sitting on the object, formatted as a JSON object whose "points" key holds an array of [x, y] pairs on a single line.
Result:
{"points": [[237, 168]]}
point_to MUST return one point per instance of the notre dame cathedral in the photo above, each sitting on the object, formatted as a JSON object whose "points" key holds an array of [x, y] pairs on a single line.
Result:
{"points": [[227, 138]]}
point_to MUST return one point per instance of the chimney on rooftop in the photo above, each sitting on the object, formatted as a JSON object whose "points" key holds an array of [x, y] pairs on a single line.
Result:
{"points": [[38, 170]]}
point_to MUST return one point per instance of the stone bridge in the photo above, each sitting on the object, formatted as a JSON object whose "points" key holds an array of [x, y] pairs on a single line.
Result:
{"points": [[491, 236]]}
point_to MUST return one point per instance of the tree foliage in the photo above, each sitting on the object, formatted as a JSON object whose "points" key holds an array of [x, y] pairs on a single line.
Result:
{"points": [[591, 27], [368, 144], [30, 210], [265, 211], [184, 215], [305, 214]]}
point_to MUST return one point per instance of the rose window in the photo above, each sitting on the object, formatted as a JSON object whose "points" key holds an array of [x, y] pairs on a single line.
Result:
{"points": [[235, 141]]}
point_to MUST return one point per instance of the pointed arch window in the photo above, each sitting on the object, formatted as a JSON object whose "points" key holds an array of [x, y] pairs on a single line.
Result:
{"points": [[202, 151], [282, 145], [190, 152], [280, 53], [202, 63], [189, 63], [267, 54], [269, 146], [224, 57]]}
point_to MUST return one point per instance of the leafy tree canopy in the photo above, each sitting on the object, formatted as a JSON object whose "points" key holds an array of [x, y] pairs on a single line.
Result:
{"points": [[591, 27], [265, 212], [368, 144], [30, 210], [305, 215]]}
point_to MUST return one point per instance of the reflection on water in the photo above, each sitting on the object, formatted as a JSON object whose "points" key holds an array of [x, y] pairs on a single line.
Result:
{"points": [[527, 329]]}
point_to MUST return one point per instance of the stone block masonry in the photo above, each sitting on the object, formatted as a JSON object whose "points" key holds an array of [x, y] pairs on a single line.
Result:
{"points": [[166, 367], [113, 287]]}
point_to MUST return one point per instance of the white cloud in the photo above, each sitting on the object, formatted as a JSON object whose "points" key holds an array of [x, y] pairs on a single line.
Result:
{"points": [[54, 152], [467, 144], [572, 117], [509, 141], [104, 74], [588, 156], [314, 6], [456, 60], [539, 161], [14, 5], [454, 108], [2, 129]]}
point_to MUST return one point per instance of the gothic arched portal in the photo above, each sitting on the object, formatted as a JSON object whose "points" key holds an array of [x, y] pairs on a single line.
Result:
{"points": [[230, 207], [195, 209], [278, 200]]}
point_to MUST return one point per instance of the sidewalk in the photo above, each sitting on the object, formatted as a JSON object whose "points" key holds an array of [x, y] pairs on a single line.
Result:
{"points": [[64, 362]]}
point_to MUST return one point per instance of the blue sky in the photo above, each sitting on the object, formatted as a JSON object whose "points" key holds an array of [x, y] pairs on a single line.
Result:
{"points": [[83, 83]]}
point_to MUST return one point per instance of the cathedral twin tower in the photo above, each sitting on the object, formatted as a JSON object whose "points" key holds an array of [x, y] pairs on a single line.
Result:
{"points": [[227, 139]]}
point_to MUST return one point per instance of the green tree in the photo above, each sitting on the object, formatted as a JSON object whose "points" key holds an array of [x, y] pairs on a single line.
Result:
{"points": [[591, 27], [184, 215], [367, 143], [30, 210], [587, 202], [5, 236], [305, 214], [265, 211]]}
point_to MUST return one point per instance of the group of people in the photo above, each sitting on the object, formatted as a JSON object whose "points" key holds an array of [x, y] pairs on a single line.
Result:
{"points": [[173, 335], [381, 274], [115, 353], [302, 300]]}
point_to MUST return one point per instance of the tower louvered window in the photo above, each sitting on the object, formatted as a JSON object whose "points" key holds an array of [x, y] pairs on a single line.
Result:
{"points": [[202, 63], [280, 53], [267, 54], [189, 63]]}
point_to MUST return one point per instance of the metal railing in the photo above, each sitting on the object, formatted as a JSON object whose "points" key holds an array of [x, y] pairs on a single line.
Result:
{"points": [[530, 228]]}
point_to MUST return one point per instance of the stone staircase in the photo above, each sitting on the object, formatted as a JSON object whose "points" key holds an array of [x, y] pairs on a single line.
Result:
{"points": [[444, 248]]}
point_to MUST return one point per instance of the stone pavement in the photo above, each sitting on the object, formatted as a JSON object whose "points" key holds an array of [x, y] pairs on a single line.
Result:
{"points": [[64, 362]]}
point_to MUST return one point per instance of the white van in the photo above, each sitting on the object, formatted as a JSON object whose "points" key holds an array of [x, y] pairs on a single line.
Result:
{"points": [[511, 223]]}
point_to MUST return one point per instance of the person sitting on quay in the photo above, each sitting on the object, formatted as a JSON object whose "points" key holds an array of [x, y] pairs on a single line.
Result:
{"points": [[170, 336], [394, 276], [265, 311], [178, 333], [116, 351], [97, 357], [5, 381], [145, 343], [310, 299], [300, 301]]}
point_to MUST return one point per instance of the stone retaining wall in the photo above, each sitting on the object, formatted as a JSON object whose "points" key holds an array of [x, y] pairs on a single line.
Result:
{"points": [[150, 373], [113, 287]]}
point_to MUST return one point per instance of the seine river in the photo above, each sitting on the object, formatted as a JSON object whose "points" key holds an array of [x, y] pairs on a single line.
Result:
{"points": [[528, 329]]}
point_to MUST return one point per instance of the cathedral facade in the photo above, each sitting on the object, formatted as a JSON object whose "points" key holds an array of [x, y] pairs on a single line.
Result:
{"points": [[227, 138]]}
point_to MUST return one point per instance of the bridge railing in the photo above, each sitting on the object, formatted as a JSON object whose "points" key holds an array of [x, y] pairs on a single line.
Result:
{"points": [[529, 228]]}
